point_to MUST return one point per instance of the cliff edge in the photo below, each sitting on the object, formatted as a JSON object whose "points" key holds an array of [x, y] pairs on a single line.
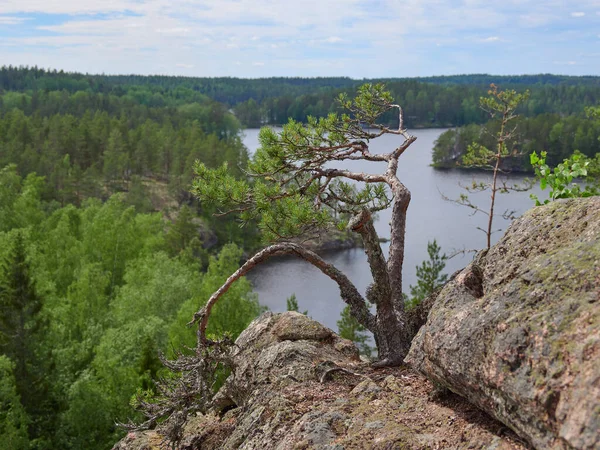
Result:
{"points": [[297, 385]]}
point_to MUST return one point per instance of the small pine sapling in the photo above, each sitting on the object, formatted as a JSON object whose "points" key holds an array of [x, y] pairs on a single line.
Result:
{"points": [[500, 105], [429, 275]]}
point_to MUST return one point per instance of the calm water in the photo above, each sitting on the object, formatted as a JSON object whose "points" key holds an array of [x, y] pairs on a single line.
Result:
{"points": [[429, 217]]}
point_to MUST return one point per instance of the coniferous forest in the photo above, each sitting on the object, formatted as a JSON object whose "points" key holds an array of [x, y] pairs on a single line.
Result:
{"points": [[104, 254]]}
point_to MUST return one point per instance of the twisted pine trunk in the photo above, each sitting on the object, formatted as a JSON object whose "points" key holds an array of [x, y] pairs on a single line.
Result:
{"points": [[392, 340]]}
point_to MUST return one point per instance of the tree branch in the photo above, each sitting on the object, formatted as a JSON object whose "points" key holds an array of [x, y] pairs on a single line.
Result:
{"points": [[348, 291], [357, 176]]}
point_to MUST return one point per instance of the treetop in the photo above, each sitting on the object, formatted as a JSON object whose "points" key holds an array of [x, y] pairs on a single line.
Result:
{"points": [[293, 185]]}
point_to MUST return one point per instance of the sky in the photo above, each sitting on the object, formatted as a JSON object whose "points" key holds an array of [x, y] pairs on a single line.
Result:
{"points": [[252, 38]]}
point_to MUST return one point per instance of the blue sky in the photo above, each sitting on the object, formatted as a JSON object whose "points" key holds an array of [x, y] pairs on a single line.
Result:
{"points": [[251, 38]]}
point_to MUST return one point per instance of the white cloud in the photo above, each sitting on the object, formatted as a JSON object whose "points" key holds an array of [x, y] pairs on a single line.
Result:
{"points": [[185, 66], [214, 36], [68, 6], [535, 20], [327, 40], [177, 31], [577, 14], [490, 39], [9, 20]]}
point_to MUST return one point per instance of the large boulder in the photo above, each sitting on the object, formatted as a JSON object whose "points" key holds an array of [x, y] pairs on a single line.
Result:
{"points": [[297, 385], [518, 331]]}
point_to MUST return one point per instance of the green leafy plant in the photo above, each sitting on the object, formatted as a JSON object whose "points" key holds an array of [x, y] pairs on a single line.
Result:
{"points": [[292, 304], [560, 179], [593, 112], [350, 328]]}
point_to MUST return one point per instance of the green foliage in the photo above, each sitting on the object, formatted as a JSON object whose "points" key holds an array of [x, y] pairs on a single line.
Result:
{"points": [[88, 421], [480, 156], [88, 298], [429, 275], [555, 134], [22, 331], [292, 304], [283, 195], [183, 238], [13, 418], [92, 145], [232, 314], [154, 285], [349, 328], [19, 309], [501, 101], [20, 200], [138, 196], [593, 112], [500, 105], [435, 101], [560, 178]]}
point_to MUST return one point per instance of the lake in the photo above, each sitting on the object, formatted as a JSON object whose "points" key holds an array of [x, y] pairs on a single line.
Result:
{"points": [[429, 217]]}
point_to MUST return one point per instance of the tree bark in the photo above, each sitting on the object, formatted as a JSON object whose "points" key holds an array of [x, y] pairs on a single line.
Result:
{"points": [[397, 242], [389, 333], [396, 261]]}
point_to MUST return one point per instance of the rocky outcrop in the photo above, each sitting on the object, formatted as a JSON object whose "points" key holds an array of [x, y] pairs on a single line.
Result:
{"points": [[517, 332], [296, 385]]}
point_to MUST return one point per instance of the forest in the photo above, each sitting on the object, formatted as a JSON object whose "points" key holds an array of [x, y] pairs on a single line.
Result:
{"points": [[558, 135], [104, 256], [104, 253], [445, 101]]}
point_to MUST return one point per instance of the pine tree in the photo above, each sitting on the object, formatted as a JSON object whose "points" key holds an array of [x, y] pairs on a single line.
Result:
{"points": [[292, 303], [429, 275], [293, 191], [350, 328], [13, 418], [20, 324], [500, 105]]}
